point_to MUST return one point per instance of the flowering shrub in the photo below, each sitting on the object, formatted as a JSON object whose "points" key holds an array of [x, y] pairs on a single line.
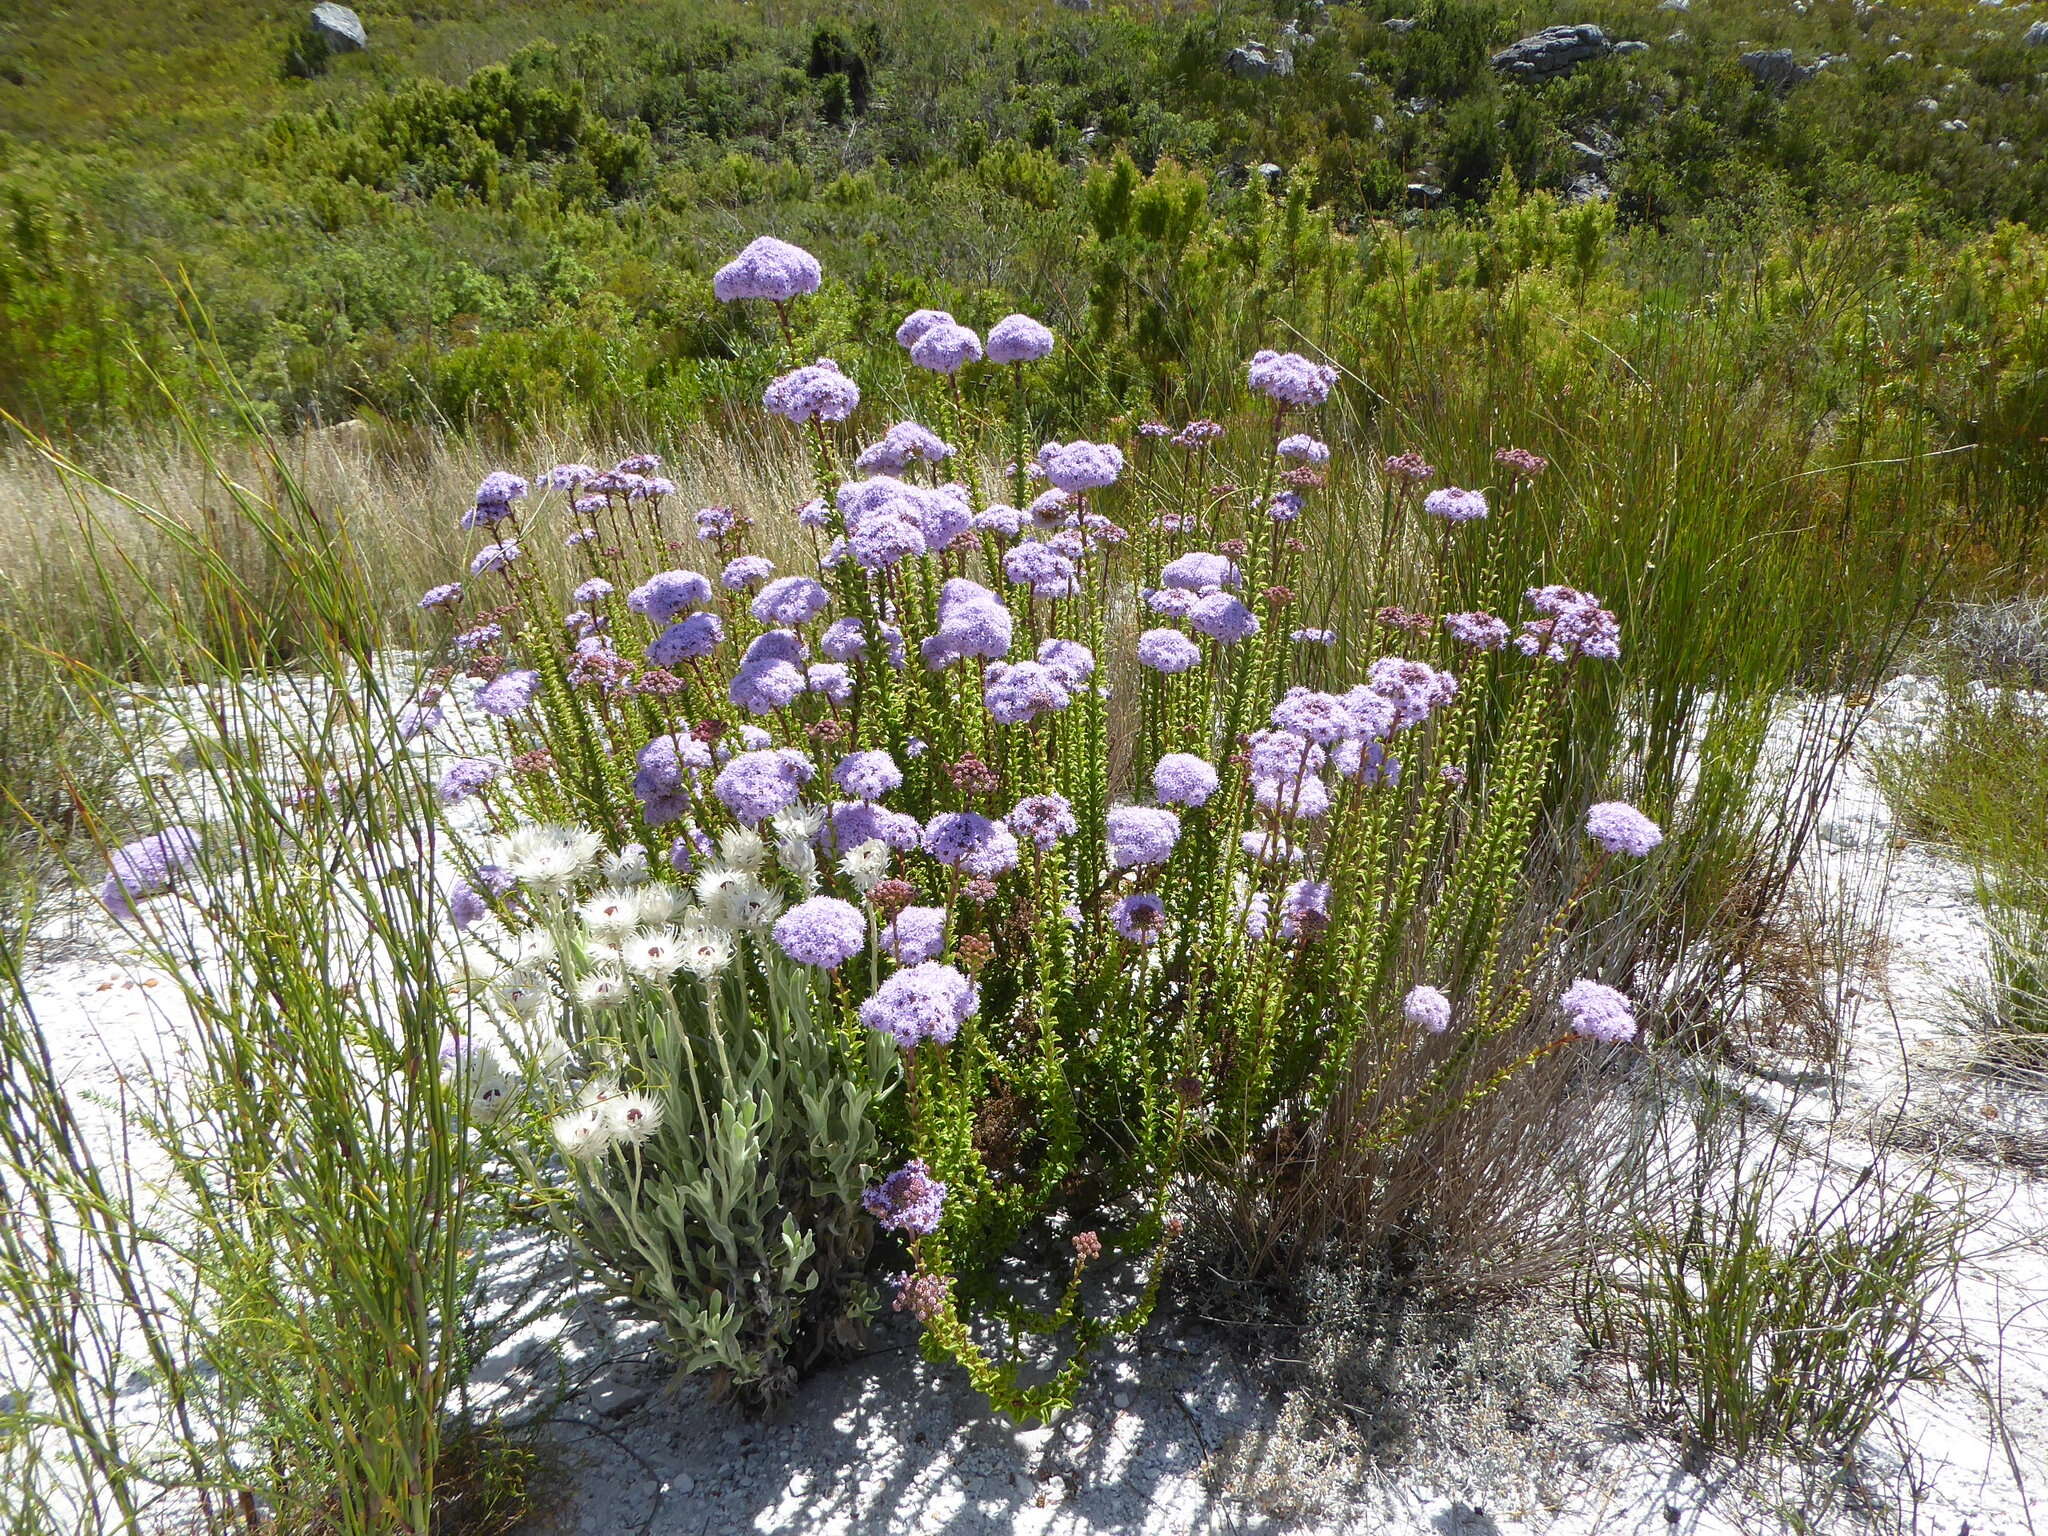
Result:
{"points": [[970, 892]]}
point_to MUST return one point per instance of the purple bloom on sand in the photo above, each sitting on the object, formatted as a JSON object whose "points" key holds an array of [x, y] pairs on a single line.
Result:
{"points": [[819, 391], [465, 907], [907, 1201], [1141, 834], [1018, 339], [1289, 378], [914, 935], [823, 931], [946, 348], [1167, 650], [1598, 1012], [768, 269], [1141, 917], [1042, 820], [867, 775], [922, 1002], [508, 694], [1427, 1008], [1454, 505], [467, 776], [1620, 828], [668, 595], [447, 595], [149, 866], [1181, 778]]}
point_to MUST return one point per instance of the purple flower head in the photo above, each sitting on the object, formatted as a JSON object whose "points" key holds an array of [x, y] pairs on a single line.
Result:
{"points": [[969, 841], [688, 639], [883, 540], [823, 931], [1168, 650], [638, 464], [1414, 688], [420, 720], [1284, 756], [1223, 618], [1020, 694], [1598, 1012], [714, 523], [892, 453], [1481, 631], [1370, 715], [907, 1201], [854, 822], [1003, 521], [1289, 378], [944, 513], [685, 852], [1196, 433], [581, 536], [508, 694], [972, 622], [1078, 467], [1427, 1008], [946, 348], [1040, 567], [591, 592], [1042, 820], [1181, 778], [668, 595], [1620, 828], [922, 1002], [1367, 762], [1018, 339], [1171, 602], [1313, 636], [1454, 505], [653, 488], [867, 775], [755, 785], [846, 640], [1140, 917], [1576, 626], [1305, 909], [1263, 846], [1304, 798], [1198, 571], [661, 768], [1141, 834], [485, 514], [465, 907], [914, 935], [496, 557], [818, 392], [467, 776], [1320, 717], [830, 678], [1284, 507], [1050, 511], [744, 572], [916, 323], [789, 601], [768, 269], [1304, 449], [1410, 466], [500, 487], [1068, 660], [149, 866], [447, 595]]}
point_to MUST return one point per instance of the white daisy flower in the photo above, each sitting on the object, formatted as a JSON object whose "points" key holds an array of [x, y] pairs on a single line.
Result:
{"points": [[659, 903], [626, 867], [601, 989], [742, 849], [630, 1118], [706, 951], [549, 858], [582, 1133], [522, 993], [865, 863], [611, 914], [797, 823], [653, 954]]}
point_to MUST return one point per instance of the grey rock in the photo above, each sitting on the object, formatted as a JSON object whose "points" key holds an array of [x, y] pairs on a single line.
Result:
{"points": [[1590, 159], [1399, 23], [338, 27], [1777, 69], [1269, 170], [2036, 36], [1248, 63], [1552, 52], [1955, 125], [1587, 188], [1631, 46], [1674, 5], [1901, 57], [1077, 5], [1928, 104], [1679, 39], [1427, 193]]}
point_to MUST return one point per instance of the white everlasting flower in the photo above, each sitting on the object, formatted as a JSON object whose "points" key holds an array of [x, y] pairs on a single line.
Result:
{"points": [[626, 867], [472, 967], [731, 898], [658, 903], [706, 951], [798, 857], [756, 907], [601, 989], [630, 1118], [653, 954], [549, 858], [531, 949], [794, 823], [865, 863], [582, 1133], [742, 849], [522, 993], [612, 914]]}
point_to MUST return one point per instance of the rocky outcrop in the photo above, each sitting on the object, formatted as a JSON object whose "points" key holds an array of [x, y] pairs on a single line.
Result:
{"points": [[1552, 52], [338, 27]]}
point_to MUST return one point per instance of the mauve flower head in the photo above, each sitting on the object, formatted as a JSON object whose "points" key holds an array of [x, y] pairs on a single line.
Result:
{"points": [[593, 591], [1577, 626], [914, 935], [1371, 715], [1171, 602], [1168, 651], [830, 678], [1149, 429], [1301, 798], [1313, 636], [1223, 618], [916, 323], [1414, 688], [1454, 505], [1040, 567], [768, 269], [755, 785], [688, 639], [907, 440], [745, 571], [788, 601], [922, 1002], [818, 392], [447, 595], [1619, 827], [972, 622], [1283, 756], [1264, 846], [969, 841], [1140, 917], [1181, 778], [663, 763], [1002, 520], [1018, 339], [822, 931], [1319, 717], [1366, 761], [1284, 507], [638, 464], [1480, 630], [883, 540], [1050, 511], [907, 1201], [944, 513], [149, 866], [1598, 1012], [1427, 1008], [846, 640], [1141, 834], [1521, 462], [467, 776], [668, 595], [485, 514], [867, 775], [1042, 820], [1068, 660], [1304, 449], [420, 720], [465, 907], [715, 523], [652, 488], [1020, 694], [1198, 571], [568, 477], [496, 557], [1289, 378], [1410, 466], [1305, 909], [946, 348], [501, 487], [854, 822], [1196, 433], [581, 536], [508, 694], [1078, 467]]}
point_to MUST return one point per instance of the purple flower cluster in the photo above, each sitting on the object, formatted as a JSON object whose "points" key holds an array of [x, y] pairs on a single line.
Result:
{"points": [[1573, 624], [467, 777], [1077, 467], [1427, 1008], [1415, 689], [149, 866], [1619, 827], [689, 639], [1018, 339], [929, 1001], [945, 347], [1598, 1012], [447, 595], [1140, 835], [823, 932], [1140, 917], [667, 595], [1289, 378], [768, 269], [1042, 820], [789, 601], [819, 392], [970, 842], [508, 694], [1482, 631], [867, 775], [905, 441], [914, 935], [972, 622], [1454, 505], [1017, 695], [909, 1200], [1168, 650], [755, 785], [662, 769], [1181, 778]]}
